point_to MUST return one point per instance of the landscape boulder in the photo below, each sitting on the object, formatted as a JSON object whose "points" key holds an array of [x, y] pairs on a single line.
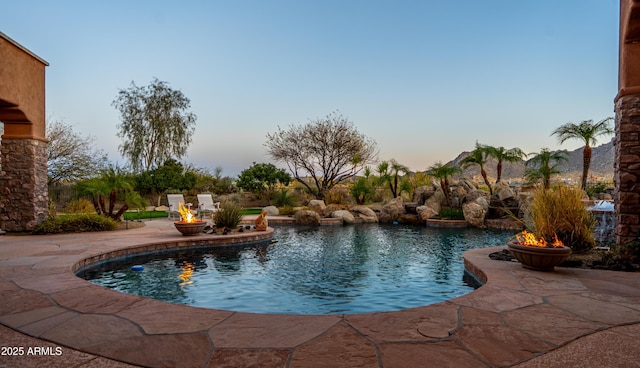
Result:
{"points": [[392, 210], [474, 214], [467, 184], [426, 212], [318, 206], [365, 213], [344, 215], [307, 217], [271, 210], [437, 200], [503, 191], [473, 195], [421, 194]]}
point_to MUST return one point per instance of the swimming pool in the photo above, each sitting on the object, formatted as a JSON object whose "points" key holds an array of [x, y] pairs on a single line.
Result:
{"points": [[320, 270]]}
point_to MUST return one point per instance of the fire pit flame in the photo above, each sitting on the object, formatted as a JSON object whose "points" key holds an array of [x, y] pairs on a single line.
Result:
{"points": [[529, 239], [185, 213]]}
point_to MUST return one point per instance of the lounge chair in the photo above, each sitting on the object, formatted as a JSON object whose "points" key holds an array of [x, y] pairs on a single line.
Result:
{"points": [[207, 205], [174, 200]]}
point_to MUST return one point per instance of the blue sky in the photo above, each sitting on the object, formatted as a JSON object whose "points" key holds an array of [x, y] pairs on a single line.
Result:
{"points": [[424, 79]]}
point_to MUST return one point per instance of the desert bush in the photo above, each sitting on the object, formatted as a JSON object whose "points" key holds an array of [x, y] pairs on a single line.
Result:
{"points": [[287, 211], [80, 205], [75, 224], [229, 215], [282, 198], [336, 196], [560, 211]]}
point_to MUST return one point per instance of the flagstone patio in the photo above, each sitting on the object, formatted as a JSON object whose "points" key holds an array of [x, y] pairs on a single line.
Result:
{"points": [[519, 318]]}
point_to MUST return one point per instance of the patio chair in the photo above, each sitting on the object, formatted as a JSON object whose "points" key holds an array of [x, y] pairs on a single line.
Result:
{"points": [[207, 205], [174, 200]]}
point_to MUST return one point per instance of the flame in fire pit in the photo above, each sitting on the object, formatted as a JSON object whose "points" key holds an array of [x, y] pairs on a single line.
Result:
{"points": [[185, 213], [529, 239]]}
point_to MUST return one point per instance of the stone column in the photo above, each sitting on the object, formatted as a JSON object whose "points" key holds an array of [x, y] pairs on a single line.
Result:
{"points": [[23, 184], [627, 138]]}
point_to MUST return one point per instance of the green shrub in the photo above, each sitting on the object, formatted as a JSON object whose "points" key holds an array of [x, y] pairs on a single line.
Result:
{"points": [[596, 188], [80, 206], [282, 198], [447, 213], [229, 215], [560, 211], [76, 224]]}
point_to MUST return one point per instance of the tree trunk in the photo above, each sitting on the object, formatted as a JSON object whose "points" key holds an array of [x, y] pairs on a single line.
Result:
{"points": [[102, 206], [486, 180], [119, 213], [586, 162], [112, 200], [499, 172]]}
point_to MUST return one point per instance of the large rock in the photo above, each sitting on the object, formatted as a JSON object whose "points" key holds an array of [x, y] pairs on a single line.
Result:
{"points": [[474, 213], [503, 191], [365, 213], [318, 206], [271, 210], [426, 212], [473, 195], [437, 200], [307, 217], [483, 202], [392, 210], [467, 184], [422, 193], [344, 215]]}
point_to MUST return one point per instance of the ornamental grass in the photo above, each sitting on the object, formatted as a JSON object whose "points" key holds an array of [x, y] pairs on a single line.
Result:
{"points": [[560, 211]]}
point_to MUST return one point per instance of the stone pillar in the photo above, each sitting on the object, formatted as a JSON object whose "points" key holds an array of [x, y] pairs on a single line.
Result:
{"points": [[23, 184], [627, 138]]}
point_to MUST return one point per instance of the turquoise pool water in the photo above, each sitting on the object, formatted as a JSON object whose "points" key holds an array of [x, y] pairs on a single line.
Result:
{"points": [[322, 270]]}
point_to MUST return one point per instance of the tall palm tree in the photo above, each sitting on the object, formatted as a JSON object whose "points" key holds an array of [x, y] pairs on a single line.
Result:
{"points": [[390, 173], [443, 172], [478, 157], [586, 131], [546, 163], [504, 155]]}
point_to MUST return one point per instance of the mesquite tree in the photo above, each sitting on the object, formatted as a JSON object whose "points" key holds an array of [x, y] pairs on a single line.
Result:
{"points": [[322, 153]]}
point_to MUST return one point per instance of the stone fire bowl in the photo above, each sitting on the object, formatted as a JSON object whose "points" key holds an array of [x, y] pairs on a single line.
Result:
{"points": [[190, 228], [539, 258]]}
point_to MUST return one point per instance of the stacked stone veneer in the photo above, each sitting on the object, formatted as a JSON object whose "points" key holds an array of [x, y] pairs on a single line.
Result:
{"points": [[23, 184], [627, 169]]}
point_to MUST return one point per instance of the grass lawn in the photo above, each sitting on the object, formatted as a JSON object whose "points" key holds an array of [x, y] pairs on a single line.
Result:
{"points": [[148, 215]]}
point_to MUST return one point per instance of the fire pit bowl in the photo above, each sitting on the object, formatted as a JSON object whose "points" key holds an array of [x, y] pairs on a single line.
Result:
{"points": [[539, 258], [190, 228]]}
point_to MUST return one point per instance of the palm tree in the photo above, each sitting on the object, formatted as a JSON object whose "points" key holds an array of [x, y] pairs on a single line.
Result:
{"points": [[443, 172], [390, 173], [478, 157], [547, 163], [504, 155], [586, 131], [110, 183]]}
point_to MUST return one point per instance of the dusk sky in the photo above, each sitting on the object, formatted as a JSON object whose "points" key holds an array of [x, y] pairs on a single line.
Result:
{"points": [[424, 79]]}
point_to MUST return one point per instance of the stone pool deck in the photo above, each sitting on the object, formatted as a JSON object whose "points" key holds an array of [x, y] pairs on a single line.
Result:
{"points": [[519, 318]]}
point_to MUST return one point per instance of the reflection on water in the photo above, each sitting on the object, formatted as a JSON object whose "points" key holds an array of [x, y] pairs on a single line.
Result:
{"points": [[320, 270]]}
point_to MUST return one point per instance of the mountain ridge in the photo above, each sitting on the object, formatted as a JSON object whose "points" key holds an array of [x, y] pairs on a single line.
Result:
{"points": [[601, 168]]}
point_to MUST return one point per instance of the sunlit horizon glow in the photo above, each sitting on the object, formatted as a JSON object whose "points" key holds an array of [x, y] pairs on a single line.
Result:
{"points": [[424, 79]]}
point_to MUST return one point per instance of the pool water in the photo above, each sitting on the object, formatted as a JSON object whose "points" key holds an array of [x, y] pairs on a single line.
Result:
{"points": [[320, 270]]}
